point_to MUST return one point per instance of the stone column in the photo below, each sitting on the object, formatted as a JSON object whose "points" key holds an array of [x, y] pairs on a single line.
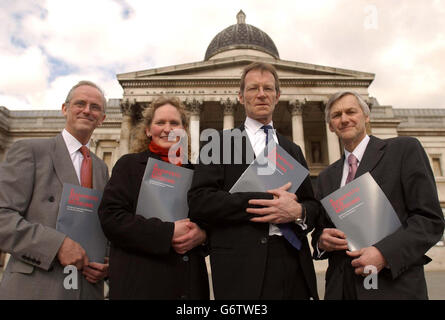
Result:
{"points": [[194, 106], [93, 146], [333, 145], [332, 141], [124, 144], [295, 108], [229, 106]]}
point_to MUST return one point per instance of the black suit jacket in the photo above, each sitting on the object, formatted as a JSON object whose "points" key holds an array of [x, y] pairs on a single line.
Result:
{"points": [[143, 265], [238, 247], [401, 168]]}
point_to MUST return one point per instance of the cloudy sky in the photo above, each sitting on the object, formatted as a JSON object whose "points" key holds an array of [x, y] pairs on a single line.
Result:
{"points": [[47, 46]]}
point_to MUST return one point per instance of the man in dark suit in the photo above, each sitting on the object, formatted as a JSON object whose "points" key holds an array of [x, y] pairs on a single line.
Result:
{"points": [[250, 258], [31, 182], [401, 168]]}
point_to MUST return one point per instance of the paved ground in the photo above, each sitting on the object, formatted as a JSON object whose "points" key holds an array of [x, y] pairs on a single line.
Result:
{"points": [[435, 283]]}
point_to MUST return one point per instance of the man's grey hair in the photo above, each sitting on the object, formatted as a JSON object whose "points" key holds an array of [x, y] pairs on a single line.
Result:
{"points": [[86, 83], [341, 94]]}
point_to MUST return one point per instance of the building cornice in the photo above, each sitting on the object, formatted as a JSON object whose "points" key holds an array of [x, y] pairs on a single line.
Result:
{"points": [[234, 83], [385, 123], [421, 132]]}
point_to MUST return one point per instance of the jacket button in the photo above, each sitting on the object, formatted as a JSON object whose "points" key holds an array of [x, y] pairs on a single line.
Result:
{"points": [[263, 240], [185, 258], [51, 199]]}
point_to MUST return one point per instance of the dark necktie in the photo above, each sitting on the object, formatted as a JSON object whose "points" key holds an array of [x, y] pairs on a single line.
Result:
{"points": [[352, 160], [285, 228], [266, 129], [86, 170]]}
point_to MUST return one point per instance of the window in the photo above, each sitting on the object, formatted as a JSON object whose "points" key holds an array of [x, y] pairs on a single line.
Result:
{"points": [[107, 158], [437, 168], [441, 242]]}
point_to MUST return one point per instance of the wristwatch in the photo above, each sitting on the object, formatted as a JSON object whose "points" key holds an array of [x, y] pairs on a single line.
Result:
{"points": [[302, 218]]}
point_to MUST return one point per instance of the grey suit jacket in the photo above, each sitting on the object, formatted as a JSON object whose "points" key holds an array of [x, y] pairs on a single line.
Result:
{"points": [[31, 183]]}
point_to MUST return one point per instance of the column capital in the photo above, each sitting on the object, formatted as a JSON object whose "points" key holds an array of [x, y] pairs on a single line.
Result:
{"points": [[295, 106], [194, 105], [132, 109], [126, 107], [322, 105], [94, 142], [229, 104], [371, 102]]}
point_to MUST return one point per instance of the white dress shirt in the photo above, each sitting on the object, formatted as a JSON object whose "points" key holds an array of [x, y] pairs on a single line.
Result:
{"points": [[73, 146], [358, 153], [257, 138]]}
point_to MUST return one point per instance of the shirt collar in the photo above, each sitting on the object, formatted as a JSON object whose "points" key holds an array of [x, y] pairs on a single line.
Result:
{"points": [[254, 125], [359, 150], [71, 142]]}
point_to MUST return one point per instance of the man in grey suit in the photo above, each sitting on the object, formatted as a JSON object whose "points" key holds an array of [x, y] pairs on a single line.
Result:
{"points": [[31, 182]]}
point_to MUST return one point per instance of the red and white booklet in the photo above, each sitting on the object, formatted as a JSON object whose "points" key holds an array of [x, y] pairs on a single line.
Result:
{"points": [[78, 219], [163, 192], [362, 211], [271, 172]]}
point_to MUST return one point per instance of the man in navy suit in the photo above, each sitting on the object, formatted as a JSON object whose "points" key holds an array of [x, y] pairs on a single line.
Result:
{"points": [[249, 256], [401, 168]]}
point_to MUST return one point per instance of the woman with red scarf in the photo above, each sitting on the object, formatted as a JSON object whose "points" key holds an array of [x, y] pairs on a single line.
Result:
{"points": [[150, 258]]}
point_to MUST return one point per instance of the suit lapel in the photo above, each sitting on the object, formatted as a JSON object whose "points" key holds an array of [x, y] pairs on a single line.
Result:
{"points": [[98, 180], [334, 177], [373, 153], [63, 164]]}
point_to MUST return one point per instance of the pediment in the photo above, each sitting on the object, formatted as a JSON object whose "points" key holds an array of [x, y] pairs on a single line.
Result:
{"points": [[231, 67]]}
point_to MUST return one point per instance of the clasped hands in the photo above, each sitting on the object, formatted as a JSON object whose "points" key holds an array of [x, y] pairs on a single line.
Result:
{"points": [[187, 235], [333, 239], [72, 253], [283, 208]]}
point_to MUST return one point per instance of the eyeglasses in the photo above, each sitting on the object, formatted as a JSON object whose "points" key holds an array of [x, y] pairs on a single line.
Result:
{"points": [[82, 104], [254, 90]]}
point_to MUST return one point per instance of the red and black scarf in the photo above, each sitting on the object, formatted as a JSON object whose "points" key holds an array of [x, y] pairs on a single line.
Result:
{"points": [[163, 152]]}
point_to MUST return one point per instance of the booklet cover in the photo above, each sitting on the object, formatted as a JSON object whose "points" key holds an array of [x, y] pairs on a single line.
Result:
{"points": [[163, 191], [361, 210], [271, 172], [78, 219]]}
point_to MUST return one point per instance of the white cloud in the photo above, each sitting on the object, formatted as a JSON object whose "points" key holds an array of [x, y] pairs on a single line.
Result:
{"points": [[24, 74], [98, 39]]}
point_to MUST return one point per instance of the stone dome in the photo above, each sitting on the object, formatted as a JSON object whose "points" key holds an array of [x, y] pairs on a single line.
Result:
{"points": [[241, 36]]}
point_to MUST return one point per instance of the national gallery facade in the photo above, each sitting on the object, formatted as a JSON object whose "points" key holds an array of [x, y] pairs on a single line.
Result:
{"points": [[209, 90]]}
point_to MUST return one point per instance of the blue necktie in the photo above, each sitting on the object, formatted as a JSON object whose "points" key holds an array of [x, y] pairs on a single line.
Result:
{"points": [[285, 228]]}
